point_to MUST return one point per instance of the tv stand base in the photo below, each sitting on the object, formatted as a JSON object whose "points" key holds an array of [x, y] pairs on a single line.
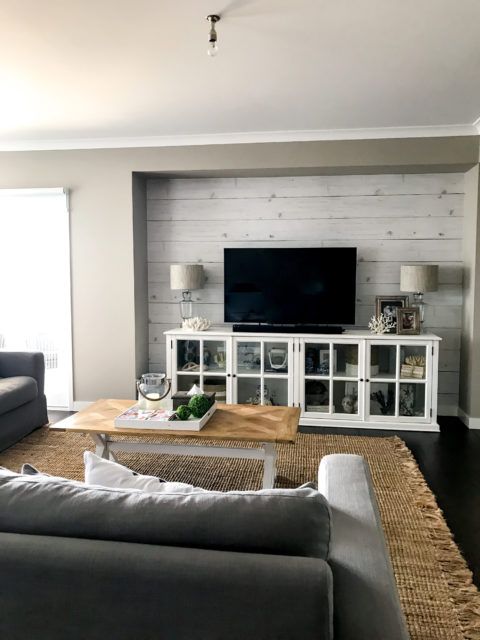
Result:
{"points": [[286, 328]]}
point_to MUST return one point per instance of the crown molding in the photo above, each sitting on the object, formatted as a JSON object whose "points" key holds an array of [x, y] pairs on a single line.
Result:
{"points": [[248, 137]]}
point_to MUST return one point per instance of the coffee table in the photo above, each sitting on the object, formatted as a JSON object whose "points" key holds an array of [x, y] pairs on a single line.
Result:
{"points": [[237, 422]]}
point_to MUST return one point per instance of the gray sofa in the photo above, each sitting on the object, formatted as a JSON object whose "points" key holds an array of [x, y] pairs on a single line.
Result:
{"points": [[23, 406], [89, 563]]}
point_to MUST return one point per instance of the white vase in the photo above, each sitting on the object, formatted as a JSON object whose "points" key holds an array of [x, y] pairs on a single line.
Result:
{"points": [[351, 370]]}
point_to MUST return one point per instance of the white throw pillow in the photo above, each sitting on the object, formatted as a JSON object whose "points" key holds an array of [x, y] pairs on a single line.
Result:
{"points": [[111, 474]]}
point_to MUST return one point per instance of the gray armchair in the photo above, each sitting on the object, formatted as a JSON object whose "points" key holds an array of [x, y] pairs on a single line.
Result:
{"points": [[23, 406]]}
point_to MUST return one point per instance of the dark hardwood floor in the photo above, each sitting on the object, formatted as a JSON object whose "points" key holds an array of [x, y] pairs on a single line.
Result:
{"points": [[450, 462]]}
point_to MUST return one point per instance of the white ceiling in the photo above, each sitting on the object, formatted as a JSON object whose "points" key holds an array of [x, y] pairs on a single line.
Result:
{"points": [[123, 72]]}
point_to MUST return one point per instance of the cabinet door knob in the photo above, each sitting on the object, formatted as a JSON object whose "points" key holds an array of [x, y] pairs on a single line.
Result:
{"points": [[228, 375], [361, 379]]}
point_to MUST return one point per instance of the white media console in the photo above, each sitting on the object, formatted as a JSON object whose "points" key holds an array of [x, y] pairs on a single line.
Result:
{"points": [[354, 379]]}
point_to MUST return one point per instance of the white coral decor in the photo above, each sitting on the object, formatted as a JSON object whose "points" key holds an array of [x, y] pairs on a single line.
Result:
{"points": [[381, 324], [196, 324]]}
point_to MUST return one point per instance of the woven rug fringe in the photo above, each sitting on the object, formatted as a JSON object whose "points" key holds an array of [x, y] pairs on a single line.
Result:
{"points": [[464, 594]]}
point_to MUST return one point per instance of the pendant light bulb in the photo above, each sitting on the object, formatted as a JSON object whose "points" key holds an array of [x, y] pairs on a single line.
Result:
{"points": [[212, 49]]}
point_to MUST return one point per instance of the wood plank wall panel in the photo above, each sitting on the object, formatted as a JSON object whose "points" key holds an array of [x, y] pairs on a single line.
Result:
{"points": [[389, 218]]}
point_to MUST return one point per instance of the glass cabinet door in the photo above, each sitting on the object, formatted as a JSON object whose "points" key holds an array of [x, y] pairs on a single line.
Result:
{"points": [[249, 357], [345, 398], [275, 358], [412, 400], [413, 362], [382, 399], [214, 379], [249, 390], [383, 361], [262, 372], [188, 356], [398, 378], [413, 375], [202, 362], [317, 395], [332, 381], [316, 379]]}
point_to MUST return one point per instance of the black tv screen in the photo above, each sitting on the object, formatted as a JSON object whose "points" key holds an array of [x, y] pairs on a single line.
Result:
{"points": [[290, 286]]}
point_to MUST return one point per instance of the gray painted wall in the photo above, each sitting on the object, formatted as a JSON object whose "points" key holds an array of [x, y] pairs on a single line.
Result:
{"points": [[390, 219], [470, 345], [139, 221]]}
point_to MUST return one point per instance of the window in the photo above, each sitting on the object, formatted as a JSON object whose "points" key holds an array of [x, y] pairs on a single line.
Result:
{"points": [[35, 308]]}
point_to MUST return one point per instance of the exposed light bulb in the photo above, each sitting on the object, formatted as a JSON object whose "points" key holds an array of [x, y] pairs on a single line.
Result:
{"points": [[212, 49]]}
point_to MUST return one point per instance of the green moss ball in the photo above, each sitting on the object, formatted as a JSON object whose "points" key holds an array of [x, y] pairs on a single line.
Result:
{"points": [[199, 405], [183, 412]]}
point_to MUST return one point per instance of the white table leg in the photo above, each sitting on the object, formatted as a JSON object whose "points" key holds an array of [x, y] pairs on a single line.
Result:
{"points": [[101, 445], [105, 448], [269, 468]]}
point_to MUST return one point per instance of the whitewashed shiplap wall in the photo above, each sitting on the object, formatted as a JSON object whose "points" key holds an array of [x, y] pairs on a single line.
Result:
{"points": [[390, 219]]}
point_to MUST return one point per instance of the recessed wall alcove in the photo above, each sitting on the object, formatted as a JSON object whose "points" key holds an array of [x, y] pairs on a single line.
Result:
{"points": [[391, 219]]}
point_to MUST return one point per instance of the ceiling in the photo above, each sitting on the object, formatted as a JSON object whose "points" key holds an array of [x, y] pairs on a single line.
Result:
{"points": [[80, 73]]}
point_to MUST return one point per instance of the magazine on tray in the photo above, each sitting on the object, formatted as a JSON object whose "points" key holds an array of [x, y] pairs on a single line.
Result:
{"points": [[136, 418]]}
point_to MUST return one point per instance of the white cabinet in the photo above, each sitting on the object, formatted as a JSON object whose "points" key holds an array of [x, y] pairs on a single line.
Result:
{"points": [[353, 380]]}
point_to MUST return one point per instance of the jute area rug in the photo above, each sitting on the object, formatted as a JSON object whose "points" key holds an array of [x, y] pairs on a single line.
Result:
{"points": [[434, 583]]}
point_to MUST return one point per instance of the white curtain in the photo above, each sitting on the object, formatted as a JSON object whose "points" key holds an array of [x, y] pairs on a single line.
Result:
{"points": [[35, 310]]}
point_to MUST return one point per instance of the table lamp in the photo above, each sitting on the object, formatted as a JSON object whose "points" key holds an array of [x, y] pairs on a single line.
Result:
{"points": [[186, 277], [419, 279]]}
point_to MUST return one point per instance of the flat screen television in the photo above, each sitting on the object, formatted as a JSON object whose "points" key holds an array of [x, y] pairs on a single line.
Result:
{"points": [[314, 286]]}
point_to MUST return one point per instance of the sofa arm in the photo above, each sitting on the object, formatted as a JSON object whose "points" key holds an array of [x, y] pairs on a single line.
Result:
{"points": [[54, 588], [23, 363], [365, 593]]}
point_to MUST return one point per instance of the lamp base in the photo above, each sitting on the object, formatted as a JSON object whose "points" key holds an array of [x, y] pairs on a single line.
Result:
{"points": [[186, 305], [419, 304]]}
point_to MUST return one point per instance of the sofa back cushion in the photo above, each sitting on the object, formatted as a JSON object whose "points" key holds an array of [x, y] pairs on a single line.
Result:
{"points": [[292, 522]]}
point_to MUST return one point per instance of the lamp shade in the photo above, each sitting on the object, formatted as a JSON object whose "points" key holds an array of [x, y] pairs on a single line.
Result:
{"points": [[187, 276], [419, 278]]}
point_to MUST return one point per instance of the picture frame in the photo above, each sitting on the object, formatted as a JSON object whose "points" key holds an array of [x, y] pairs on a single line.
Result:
{"points": [[408, 321], [389, 305]]}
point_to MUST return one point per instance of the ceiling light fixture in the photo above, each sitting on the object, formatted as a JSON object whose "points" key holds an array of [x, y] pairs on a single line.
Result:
{"points": [[212, 37]]}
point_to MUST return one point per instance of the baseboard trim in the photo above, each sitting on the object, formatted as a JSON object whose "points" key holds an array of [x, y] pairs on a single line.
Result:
{"points": [[471, 423], [78, 405]]}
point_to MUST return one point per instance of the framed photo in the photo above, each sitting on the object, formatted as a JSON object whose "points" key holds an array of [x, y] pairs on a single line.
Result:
{"points": [[389, 305], [408, 321]]}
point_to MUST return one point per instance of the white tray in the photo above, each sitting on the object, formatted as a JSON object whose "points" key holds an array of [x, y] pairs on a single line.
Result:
{"points": [[158, 420]]}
